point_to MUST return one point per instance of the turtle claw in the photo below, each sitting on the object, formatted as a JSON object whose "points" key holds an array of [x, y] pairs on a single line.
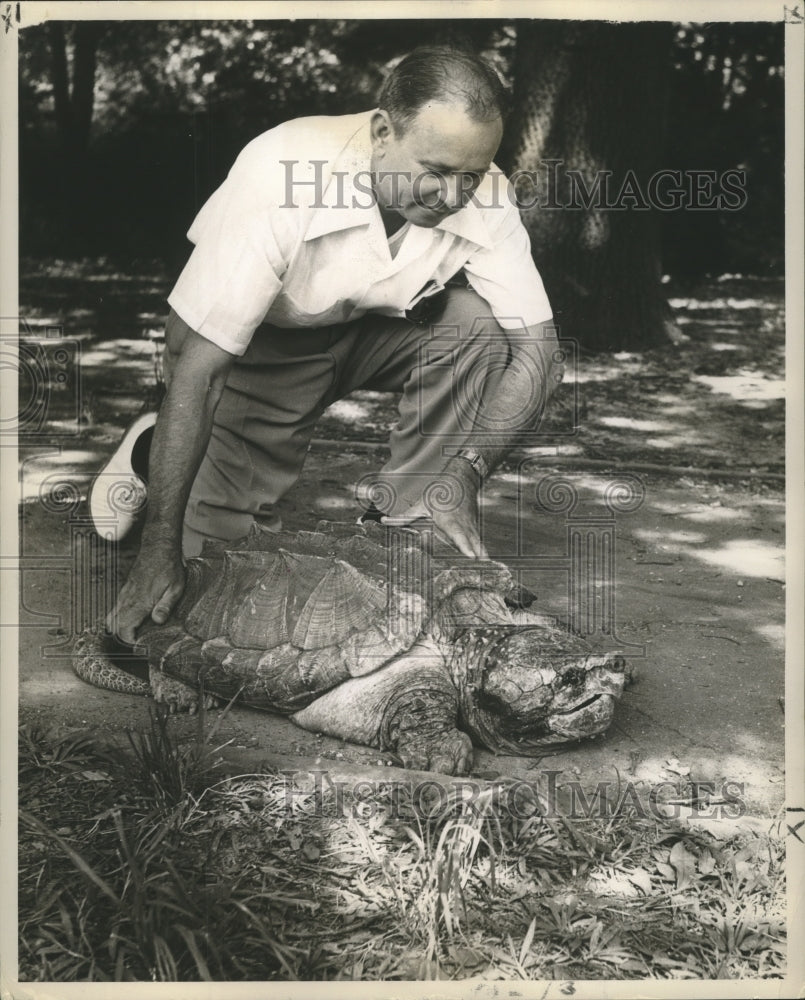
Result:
{"points": [[445, 753], [175, 695], [462, 758], [413, 760], [455, 754]]}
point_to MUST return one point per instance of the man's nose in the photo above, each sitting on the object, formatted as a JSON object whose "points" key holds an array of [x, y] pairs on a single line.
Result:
{"points": [[454, 194]]}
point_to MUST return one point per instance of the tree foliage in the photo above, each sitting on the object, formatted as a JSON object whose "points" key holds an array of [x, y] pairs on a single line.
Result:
{"points": [[726, 110]]}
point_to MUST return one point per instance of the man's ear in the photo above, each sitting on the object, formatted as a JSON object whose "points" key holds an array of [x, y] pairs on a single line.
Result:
{"points": [[381, 129]]}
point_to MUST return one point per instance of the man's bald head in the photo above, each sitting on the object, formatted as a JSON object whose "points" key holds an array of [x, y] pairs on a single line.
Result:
{"points": [[439, 74]]}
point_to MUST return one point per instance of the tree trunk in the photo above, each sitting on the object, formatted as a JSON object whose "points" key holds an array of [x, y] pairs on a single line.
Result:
{"points": [[83, 94], [60, 83], [73, 105], [589, 98], [73, 100]]}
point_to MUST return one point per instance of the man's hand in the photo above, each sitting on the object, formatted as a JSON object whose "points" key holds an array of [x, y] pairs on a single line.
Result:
{"points": [[198, 370], [153, 587], [457, 525], [460, 528]]}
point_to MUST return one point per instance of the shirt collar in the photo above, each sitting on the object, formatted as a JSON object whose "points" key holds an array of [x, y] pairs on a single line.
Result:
{"points": [[469, 225], [347, 204]]}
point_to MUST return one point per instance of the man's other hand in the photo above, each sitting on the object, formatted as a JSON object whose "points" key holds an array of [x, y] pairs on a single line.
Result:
{"points": [[154, 586], [460, 528], [459, 525]]}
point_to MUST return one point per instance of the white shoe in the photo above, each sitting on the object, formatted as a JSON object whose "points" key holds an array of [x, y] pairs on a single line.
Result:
{"points": [[118, 494]]}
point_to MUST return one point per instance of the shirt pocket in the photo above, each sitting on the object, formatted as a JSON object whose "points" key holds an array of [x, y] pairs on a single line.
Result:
{"points": [[318, 289], [308, 313]]}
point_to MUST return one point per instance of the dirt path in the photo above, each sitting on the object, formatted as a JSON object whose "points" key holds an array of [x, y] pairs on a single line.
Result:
{"points": [[698, 568]]}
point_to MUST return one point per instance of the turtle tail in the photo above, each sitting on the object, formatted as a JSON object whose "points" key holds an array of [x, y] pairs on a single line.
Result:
{"points": [[92, 663]]}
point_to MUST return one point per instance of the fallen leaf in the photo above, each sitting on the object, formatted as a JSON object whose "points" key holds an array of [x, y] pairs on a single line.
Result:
{"points": [[749, 851], [634, 965], [751, 942], [641, 878], [666, 871], [464, 956], [706, 864], [684, 864], [673, 765]]}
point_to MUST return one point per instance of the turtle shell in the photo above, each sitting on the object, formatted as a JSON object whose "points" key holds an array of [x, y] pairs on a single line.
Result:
{"points": [[264, 599], [281, 618]]}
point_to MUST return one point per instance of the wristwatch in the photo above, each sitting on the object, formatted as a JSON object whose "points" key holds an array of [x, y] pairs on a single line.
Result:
{"points": [[476, 460]]}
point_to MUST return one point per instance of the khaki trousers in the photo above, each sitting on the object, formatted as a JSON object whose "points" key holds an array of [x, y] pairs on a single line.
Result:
{"points": [[286, 379]]}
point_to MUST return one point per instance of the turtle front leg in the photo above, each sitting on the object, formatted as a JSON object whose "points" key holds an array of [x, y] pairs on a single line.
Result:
{"points": [[420, 728], [447, 752], [409, 707]]}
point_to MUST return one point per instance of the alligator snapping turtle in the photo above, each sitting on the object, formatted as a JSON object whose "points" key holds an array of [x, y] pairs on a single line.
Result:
{"points": [[313, 625]]}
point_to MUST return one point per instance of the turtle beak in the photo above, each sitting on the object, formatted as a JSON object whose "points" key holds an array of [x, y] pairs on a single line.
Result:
{"points": [[590, 718]]}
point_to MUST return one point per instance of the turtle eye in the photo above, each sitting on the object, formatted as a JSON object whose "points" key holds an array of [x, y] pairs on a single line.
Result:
{"points": [[573, 677]]}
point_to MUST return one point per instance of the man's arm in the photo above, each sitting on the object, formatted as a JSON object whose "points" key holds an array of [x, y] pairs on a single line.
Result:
{"points": [[196, 371], [515, 407]]}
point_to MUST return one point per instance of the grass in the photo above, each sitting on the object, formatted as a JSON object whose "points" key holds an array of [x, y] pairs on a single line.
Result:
{"points": [[149, 865]]}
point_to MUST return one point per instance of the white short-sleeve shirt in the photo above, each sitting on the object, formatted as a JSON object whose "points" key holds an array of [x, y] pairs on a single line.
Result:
{"points": [[293, 237]]}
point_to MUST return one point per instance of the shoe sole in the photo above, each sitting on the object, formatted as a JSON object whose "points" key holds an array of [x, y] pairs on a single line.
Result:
{"points": [[118, 493]]}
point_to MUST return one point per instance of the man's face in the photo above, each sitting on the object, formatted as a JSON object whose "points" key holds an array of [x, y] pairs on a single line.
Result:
{"points": [[433, 167]]}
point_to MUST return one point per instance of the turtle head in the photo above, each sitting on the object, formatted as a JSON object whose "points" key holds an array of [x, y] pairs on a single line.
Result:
{"points": [[529, 687], [470, 596]]}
